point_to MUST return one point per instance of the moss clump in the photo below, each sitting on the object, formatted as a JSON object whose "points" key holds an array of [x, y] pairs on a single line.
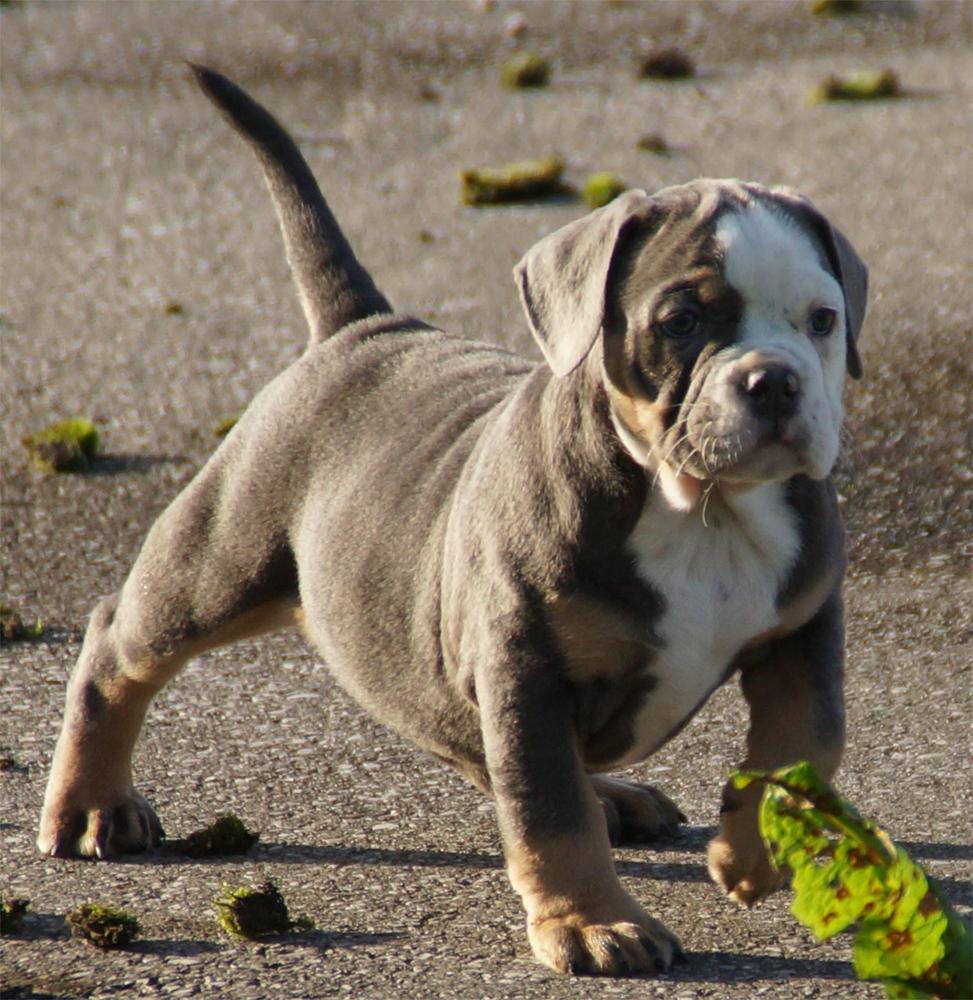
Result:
{"points": [[247, 913], [523, 181], [65, 446], [838, 7], [525, 69], [103, 926], [667, 64], [12, 914], [863, 86], [225, 426], [601, 188], [12, 627], [653, 142], [228, 834]]}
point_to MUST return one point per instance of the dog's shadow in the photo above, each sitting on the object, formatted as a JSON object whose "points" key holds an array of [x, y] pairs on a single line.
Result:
{"points": [[740, 967], [114, 464], [662, 871], [690, 840]]}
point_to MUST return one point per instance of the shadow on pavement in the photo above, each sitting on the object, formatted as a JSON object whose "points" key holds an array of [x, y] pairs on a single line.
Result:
{"points": [[321, 938], [736, 967], [173, 947], [924, 850], [113, 465], [310, 854]]}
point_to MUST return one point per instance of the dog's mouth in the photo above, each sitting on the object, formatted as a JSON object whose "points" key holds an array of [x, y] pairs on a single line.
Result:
{"points": [[698, 456]]}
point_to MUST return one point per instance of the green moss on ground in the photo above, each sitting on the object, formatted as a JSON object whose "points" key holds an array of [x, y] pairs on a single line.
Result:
{"points": [[65, 446], [12, 914], [227, 835], [864, 86], [526, 180], [103, 926], [836, 7], [225, 426], [601, 188], [667, 64], [247, 913], [12, 627], [525, 69], [653, 142]]}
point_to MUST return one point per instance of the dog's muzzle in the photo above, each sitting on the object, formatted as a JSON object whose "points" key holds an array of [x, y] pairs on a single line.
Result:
{"points": [[749, 422]]}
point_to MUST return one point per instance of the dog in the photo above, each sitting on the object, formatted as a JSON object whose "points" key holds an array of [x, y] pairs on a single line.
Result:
{"points": [[537, 572]]}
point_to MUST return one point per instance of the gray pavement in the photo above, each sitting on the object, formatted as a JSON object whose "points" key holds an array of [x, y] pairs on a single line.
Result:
{"points": [[124, 196]]}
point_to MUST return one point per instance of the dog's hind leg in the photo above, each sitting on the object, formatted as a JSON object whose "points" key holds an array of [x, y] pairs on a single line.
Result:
{"points": [[636, 813], [210, 572]]}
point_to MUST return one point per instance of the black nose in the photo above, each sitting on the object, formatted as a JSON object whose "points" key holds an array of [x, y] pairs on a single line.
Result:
{"points": [[773, 391]]}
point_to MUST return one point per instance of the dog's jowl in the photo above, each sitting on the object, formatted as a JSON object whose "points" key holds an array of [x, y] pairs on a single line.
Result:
{"points": [[538, 572]]}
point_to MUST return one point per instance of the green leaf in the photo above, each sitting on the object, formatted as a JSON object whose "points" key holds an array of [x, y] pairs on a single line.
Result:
{"points": [[845, 871], [899, 989], [65, 446]]}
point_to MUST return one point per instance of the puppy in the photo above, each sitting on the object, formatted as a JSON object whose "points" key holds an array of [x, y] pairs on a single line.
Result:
{"points": [[536, 572]]}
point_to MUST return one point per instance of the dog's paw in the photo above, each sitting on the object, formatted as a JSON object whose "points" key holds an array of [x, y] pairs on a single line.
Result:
{"points": [[743, 868], [126, 827], [636, 814], [635, 943]]}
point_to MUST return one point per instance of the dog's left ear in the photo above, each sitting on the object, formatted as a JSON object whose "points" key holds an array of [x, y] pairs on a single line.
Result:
{"points": [[562, 280], [846, 264]]}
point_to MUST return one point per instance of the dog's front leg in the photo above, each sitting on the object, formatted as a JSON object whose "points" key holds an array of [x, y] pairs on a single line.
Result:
{"points": [[579, 918], [794, 689]]}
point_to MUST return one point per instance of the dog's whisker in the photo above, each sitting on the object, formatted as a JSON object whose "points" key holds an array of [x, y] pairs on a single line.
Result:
{"points": [[685, 461], [665, 459], [706, 496]]}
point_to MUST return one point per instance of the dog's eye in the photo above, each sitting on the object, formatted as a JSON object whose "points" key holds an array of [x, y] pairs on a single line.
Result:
{"points": [[682, 323], [822, 322]]}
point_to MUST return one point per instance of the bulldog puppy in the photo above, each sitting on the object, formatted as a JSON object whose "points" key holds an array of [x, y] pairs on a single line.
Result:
{"points": [[538, 572]]}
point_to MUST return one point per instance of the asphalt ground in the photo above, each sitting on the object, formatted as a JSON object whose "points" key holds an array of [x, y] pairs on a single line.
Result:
{"points": [[144, 286]]}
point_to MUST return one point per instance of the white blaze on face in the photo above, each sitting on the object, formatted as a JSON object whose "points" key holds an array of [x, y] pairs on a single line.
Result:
{"points": [[772, 263]]}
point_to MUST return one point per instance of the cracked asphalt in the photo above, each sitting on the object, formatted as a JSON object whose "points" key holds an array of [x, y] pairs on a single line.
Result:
{"points": [[143, 285]]}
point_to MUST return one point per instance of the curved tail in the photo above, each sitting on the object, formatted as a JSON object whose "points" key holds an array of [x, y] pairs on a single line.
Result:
{"points": [[333, 286]]}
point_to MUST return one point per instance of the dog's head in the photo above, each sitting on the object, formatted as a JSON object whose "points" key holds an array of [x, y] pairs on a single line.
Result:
{"points": [[728, 315]]}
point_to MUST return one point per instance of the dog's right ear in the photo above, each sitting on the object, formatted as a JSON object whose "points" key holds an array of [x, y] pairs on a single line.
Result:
{"points": [[563, 278]]}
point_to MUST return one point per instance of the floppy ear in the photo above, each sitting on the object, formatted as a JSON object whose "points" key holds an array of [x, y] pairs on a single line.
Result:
{"points": [[851, 273], [562, 280], [853, 276]]}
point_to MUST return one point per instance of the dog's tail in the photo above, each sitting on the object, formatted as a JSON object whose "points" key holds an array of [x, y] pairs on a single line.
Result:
{"points": [[334, 288]]}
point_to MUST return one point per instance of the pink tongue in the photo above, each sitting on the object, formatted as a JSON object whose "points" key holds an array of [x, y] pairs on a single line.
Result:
{"points": [[681, 491]]}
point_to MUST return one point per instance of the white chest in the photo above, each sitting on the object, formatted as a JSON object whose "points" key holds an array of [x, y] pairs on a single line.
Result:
{"points": [[720, 580]]}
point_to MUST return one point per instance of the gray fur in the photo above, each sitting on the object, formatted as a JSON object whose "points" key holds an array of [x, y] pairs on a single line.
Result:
{"points": [[431, 507]]}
